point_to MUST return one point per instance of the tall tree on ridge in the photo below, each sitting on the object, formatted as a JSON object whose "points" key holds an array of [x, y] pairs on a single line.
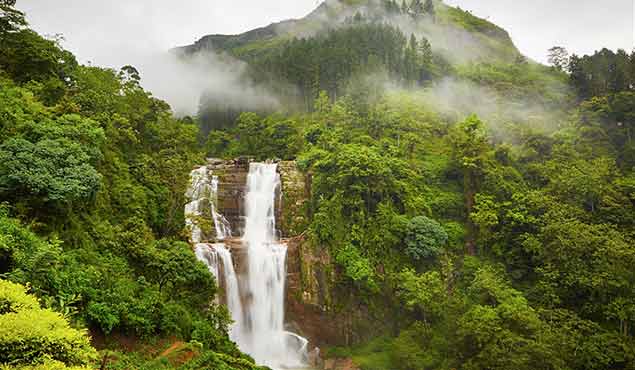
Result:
{"points": [[11, 19], [558, 57]]}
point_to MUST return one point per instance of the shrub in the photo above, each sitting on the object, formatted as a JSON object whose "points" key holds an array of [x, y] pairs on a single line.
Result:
{"points": [[425, 238], [176, 320], [29, 335]]}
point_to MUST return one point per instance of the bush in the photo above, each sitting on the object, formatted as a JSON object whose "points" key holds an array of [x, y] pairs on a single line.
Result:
{"points": [[425, 238], [212, 338], [47, 365], [14, 300], [176, 320], [29, 335]]}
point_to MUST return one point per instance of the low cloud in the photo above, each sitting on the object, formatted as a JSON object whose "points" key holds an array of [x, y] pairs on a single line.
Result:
{"points": [[221, 79]]}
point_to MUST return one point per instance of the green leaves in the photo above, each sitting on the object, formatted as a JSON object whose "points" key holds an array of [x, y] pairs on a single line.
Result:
{"points": [[425, 238], [425, 293], [30, 335], [11, 19], [44, 158], [356, 267], [501, 328], [58, 171]]}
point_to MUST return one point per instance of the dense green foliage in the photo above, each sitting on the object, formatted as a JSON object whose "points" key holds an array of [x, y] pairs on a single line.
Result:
{"points": [[327, 62], [362, 48], [425, 238], [93, 172], [602, 73], [32, 335]]}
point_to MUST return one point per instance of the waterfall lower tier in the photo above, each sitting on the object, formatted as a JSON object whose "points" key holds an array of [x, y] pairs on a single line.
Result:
{"points": [[256, 296], [219, 261]]}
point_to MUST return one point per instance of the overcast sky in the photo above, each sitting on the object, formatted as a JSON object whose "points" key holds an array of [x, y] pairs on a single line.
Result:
{"points": [[114, 32]]}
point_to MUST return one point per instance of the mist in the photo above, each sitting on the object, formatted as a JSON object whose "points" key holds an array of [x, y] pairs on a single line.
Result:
{"points": [[219, 80], [183, 81], [507, 117], [501, 112]]}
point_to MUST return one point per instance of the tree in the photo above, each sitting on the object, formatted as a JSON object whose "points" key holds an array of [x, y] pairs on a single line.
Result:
{"points": [[469, 141], [426, 52], [356, 267], [578, 76], [48, 160], [11, 19], [501, 330], [559, 58], [426, 293], [618, 73], [54, 171], [426, 60], [129, 74], [425, 238]]}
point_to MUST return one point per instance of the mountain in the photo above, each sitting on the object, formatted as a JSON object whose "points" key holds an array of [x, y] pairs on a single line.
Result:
{"points": [[450, 29], [346, 47]]}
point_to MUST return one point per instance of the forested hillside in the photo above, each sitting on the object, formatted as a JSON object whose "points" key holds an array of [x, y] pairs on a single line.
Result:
{"points": [[92, 179], [478, 207]]}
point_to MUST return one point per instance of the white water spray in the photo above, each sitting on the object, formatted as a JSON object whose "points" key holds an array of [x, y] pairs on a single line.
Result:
{"points": [[257, 309], [222, 226], [218, 259], [198, 192], [265, 338], [203, 193]]}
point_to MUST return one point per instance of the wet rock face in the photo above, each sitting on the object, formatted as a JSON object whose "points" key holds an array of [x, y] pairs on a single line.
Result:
{"points": [[295, 194], [308, 301], [232, 178]]}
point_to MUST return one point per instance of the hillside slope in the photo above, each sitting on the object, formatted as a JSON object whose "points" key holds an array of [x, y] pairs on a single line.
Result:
{"points": [[450, 29]]}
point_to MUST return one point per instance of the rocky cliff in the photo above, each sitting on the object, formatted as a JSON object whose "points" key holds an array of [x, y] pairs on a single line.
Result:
{"points": [[309, 272]]}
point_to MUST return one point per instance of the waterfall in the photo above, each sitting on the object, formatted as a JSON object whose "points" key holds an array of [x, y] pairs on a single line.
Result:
{"points": [[255, 300], [218, 258], [223, 229], [198, 192], [208, 256], [203, 193], [265, 338]]}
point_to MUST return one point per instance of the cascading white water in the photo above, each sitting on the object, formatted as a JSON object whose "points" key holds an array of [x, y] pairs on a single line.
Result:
{"points": [[257, 309], [203, 192], [265, 338], [218, 258], [198, 192], [207, 255]]}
